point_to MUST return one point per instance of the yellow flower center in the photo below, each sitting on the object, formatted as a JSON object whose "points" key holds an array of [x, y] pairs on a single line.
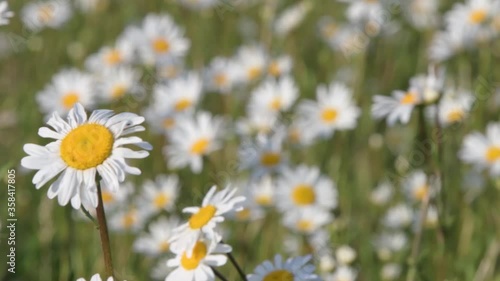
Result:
{"points": [[493, 154], [303, 195], [198, 254], [269, 159], [128, 220], [220, 79], [455, 115], [304, 225], [69, 100], [164, 246], [45, 13], [274, 69], [113, 57], [204, 215], [329, 115], [294, 135], [118, 91], [409, 98], [243, 214], [421, 192], [161, 200], [279, 275], [200, 146], [263, 200], [182, 104], [253, 73], [161, 45], [478, 16], [275, 104], [87, 146], [168, 123], [107, 197]]}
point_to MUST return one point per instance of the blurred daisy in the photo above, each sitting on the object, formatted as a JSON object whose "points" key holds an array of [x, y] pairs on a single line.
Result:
{"points": [[192, 139], [345, 254], [274, 96], [252, 60], [160, 120], [160, 194], [333, 109], [297, 268], [96, 277], [454, 107], [304, 187], [41, 14], [205, 218], [382, 194], [290, 18], [84, 147], [5, 13], [262, 191], [180, 94], [343, 273], [222, 75], [483, 150], [108, 57], [422, 14], [113, 200], [306, 220], [280, 66], [446, 44], [257, 121], [195, 264], [390, 272], [429, 86], [68, 87], [418, 187], [474, 17], [128, 219], [396, 108], [115, 83], [156, 241], [368, 15], [169, 69], [160, 38], [398, 216]]}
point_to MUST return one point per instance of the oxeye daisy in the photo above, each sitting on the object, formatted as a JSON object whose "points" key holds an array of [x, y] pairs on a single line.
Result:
{"points": [[156, 242], [180, 94], [304, 187], [483, 151], [419, 187], [160, 194], [257, 121], [279, 66], [222, 75], [130, 219], [68, 87], [82, 148], [274, 96], [396, 108], [390, 271], [454, 107], [115, 83], [38, 15], [343, 273], [333, 109], [306, 220], [262, 191], [96, 277], [252, 60], [194, 264], [290, 18], [429, 86], [382, 194], [205, 218], [120, 54], [293, 269], [398, 216], [159, 39], [192, 139], [5, 13], [422, 14], [474, 17]]}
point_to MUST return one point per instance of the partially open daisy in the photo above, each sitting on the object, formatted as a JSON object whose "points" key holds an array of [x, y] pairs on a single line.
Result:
{"points": [[483, 151], [205, 218], [297, 268], [160, 194], [192, 139], [156, 242], [195, 264], [82, 148], [396, 108]]}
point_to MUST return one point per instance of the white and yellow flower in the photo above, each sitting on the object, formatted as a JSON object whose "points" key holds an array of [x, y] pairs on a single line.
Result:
{"points": [[483, 151], [83, 148], [115, 83], [274, 96], [291, 18], [418, 187], [129, 219], [156, 242], [193, 138], [181, 94], [41, 14], [396, 108], [252, 60], [160, 194], [296, 268], [280, 66], [222, 75], [454, 107], [306, 220], [122, 53]]}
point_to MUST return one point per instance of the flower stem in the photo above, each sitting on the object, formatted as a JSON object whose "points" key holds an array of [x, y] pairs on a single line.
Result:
{"points": [[219, 275], [238, 268], [103, 231]]}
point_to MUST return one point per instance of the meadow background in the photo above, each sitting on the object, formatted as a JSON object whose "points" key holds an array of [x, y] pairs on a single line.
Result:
{"points": [[52, 244]]}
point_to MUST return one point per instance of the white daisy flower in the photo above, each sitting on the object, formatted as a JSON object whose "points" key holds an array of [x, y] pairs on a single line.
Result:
{"points": [[274, 96], [474, 17], [446, 44], [299, 133], [41, 14], [262, 191], [5, 13], [113, 200], [116, 83], [169, 69], [396, 108], [160, 38], [297, 268], [398, 216], [454, 107], [193, 138], [195, 264], [68, 87], [306, 220], [161, 121], [96, 277], [205, 218], [382, 194], [418, 186], [390, 272], [483, 150], [129, 219], [84, 147], [156, 241], [304, 187], [344, 273], [333, 109], [391, 242], [362, 11], [280, 66], [345, 254], [290, 18], [222, 75], [181, 94], [120, 54], [422, 14], [257, 121], [252, 60], [160, 194], [429, 86]]}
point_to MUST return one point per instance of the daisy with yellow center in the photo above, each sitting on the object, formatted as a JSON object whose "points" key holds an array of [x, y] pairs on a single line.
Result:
{"points": [[252, 61], [194, 264], [274, 96], [483, 151], [128, 219], [160, 194], [333, 109], [156, 241], [82, 148], [222, 75], [297, 268], [454, 107], [193, 138], [396, 108], [116, 82], [306, 220], [39, 15], [418, 186], [179, 95], [109, 57], [204, 218], [262, 191]]}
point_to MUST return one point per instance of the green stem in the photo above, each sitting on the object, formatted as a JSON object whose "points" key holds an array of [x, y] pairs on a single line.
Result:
{"points": [[238, 268], [103, 231], [219, 275]]}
